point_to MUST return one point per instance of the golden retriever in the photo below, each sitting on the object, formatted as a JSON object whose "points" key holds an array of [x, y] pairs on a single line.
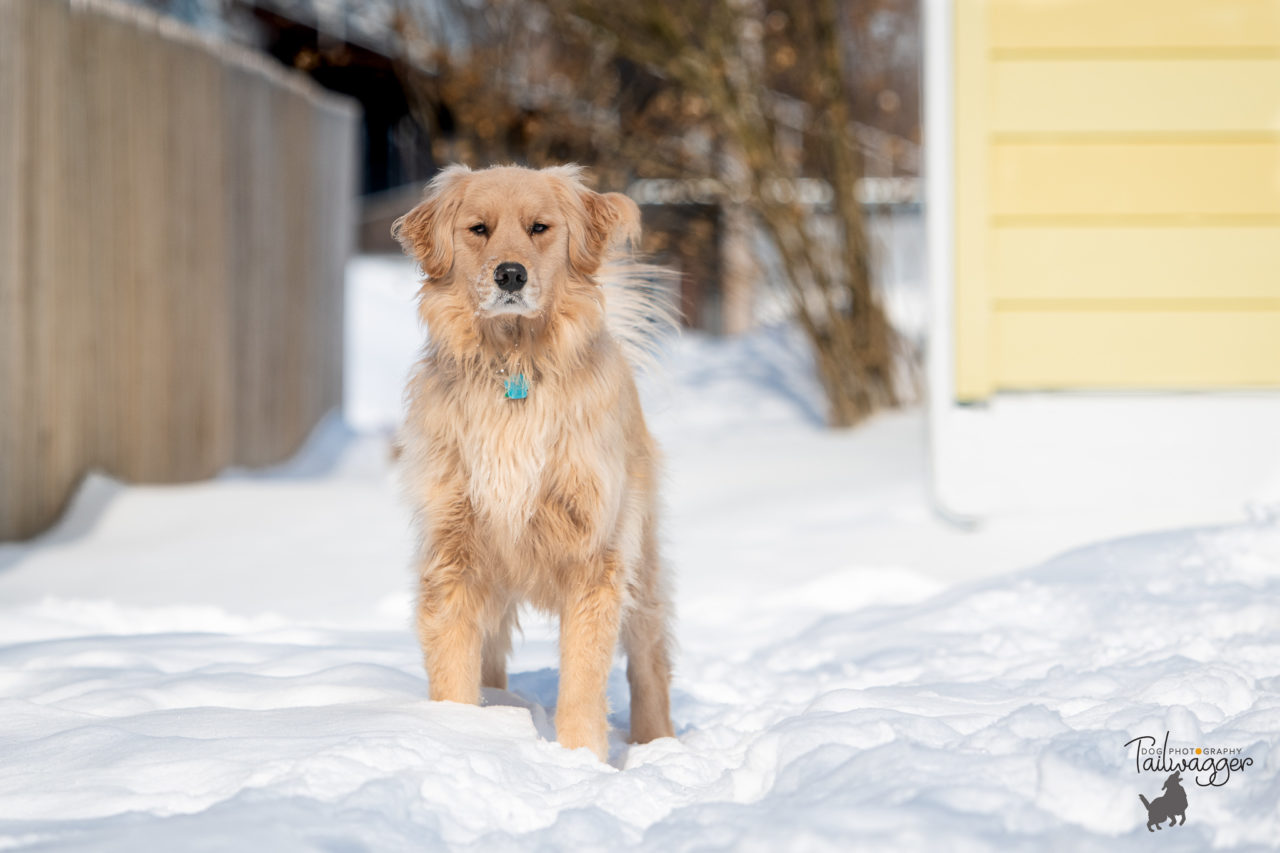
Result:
{"points": [[525, 452]]}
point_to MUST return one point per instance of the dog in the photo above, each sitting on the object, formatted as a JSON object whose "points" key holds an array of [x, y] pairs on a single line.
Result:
{"points": [[525, 451], [1169, 807]]}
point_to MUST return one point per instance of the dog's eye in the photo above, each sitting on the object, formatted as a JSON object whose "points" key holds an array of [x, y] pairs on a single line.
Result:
{"points": [[479, 228], [538, 228]]}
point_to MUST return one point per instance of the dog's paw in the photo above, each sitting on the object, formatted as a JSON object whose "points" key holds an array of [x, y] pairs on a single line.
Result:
{"points": [[644, 730], [577, 733]]}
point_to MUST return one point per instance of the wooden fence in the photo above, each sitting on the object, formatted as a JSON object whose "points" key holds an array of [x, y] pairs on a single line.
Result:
{"points": [[175, 216]]}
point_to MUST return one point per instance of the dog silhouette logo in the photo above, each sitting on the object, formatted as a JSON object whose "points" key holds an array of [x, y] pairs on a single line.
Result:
{"points": [[1169, 807]]}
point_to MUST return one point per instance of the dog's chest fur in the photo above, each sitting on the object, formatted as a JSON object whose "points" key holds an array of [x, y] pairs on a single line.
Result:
{"points": [[507, 448], [540, 463]]}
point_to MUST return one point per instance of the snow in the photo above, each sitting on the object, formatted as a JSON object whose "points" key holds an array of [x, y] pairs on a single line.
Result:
{"points": [[230, 664]]}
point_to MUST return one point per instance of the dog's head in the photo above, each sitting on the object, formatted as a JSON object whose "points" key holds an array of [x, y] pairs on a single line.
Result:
{"points": [[509, 241], [1174, 781]]}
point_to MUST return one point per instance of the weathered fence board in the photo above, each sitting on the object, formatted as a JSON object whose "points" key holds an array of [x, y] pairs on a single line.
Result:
{"points": [[175, 216]]}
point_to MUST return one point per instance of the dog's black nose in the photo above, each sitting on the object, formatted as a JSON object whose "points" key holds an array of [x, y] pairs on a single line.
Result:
{"points": [[510, 277]]}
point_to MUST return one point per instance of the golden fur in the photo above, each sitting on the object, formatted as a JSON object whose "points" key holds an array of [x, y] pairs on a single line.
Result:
{"points": [[549, 500]]}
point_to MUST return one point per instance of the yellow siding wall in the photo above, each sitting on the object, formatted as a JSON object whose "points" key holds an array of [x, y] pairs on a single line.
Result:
{"points": [[1117, 194]]}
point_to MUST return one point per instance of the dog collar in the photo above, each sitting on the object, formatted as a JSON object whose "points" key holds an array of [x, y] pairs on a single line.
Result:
{"points": [[517, 387]]}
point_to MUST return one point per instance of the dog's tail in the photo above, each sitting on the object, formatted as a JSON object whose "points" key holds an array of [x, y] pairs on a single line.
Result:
{"points": [[1146, 805], [640, 308]]}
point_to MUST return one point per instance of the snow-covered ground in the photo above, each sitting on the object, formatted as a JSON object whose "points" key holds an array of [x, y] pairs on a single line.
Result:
{"points": [[229, 665]]}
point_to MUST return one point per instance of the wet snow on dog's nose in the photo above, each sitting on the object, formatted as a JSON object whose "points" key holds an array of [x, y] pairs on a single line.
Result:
{"points": [[494, 300]]}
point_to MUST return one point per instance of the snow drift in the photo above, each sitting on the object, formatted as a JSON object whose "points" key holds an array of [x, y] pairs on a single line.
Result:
{"points": [[992, 716]]}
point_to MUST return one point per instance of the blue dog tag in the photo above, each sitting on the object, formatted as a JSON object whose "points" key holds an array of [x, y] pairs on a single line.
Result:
{"points": [[517, 387]]}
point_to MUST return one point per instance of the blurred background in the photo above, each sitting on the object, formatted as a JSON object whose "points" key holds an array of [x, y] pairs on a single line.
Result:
{"points": [[1075, 332]]}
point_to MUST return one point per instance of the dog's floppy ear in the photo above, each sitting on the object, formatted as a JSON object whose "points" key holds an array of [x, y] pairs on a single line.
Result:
{"points": [[617, 216], [426, 232], [597, 221]]}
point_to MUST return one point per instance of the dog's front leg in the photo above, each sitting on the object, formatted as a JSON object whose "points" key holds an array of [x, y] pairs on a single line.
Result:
{"points": [[588, 636], [450, 612]]}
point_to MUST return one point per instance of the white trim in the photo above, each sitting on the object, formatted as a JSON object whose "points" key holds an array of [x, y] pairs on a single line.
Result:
{"points": [[939, 194]]}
